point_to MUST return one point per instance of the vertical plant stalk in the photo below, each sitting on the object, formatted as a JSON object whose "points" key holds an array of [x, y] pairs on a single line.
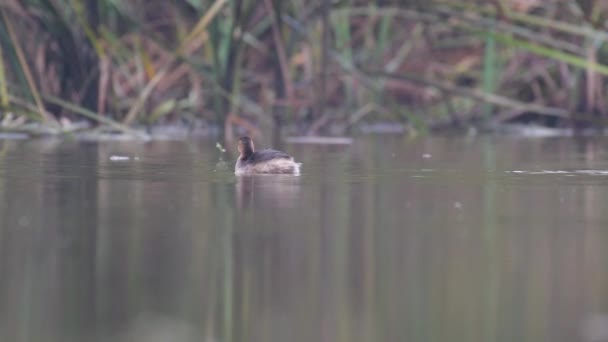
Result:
{"points": [[104, 81], [489, 72], [231, 50], [343, 43], [283, 65], [321, 95], [4, 101], [26, 70], [591, 79]]}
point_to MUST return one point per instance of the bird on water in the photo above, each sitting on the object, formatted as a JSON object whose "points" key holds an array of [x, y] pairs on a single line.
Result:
{"points": [[265, 161]]}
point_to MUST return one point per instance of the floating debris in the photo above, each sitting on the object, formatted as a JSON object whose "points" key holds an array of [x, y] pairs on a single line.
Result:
{"points": [[13, 136], [382, 128], [120, 158], [531, 131], [563, 172], [320, 140]]}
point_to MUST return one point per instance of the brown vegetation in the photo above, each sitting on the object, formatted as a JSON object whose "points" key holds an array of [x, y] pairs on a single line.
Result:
{"points": [[304, 64]]}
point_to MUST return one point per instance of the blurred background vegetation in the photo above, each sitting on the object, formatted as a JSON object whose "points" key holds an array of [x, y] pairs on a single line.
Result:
{"points": [[309, 66]]}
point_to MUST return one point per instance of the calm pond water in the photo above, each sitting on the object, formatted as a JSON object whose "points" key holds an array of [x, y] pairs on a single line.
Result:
{"points": [[388, 239]]}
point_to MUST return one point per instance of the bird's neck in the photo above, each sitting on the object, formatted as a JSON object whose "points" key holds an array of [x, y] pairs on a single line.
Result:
{"points": [[247, 153]]}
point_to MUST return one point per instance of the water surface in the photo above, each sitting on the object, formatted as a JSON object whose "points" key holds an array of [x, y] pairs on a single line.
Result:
{"points": [[388, 239]]}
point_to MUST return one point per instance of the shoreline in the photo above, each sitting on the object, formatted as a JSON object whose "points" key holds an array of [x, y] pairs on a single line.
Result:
{"points": [[338, 135]]}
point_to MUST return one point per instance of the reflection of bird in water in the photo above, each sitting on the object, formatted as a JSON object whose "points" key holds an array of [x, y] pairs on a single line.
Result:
{"points": [[264, 161], [278, 191]]}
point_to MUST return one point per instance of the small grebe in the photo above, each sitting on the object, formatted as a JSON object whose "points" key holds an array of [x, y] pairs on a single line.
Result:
{"points": [[264, 161]]}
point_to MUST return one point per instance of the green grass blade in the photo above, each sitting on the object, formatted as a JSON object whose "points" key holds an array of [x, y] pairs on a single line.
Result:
{"points": [[94, 116], [550, 53]]}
